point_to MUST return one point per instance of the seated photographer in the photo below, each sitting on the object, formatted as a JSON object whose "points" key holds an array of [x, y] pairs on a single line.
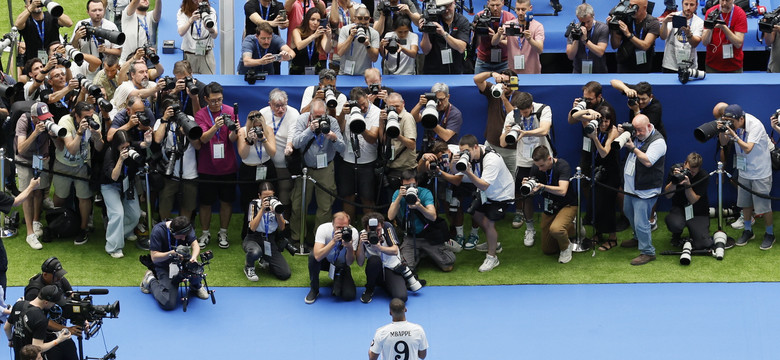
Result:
{"points": [[681, 41], [378, 251], [310, 39], [549, 177], [495, 191], [586, 51], [358, 44], [523, 50], [169, 242], [95, 45], [140, 26], [264, 240], [28, 325], [335, 244], [197, 37], [259, 51], [170, 134], [256, 147], [725, 38], [635, 41], [490, 57], [449, 120], [400, 58], [418, 219], [444, 40], [690, 205], [387, 14]]}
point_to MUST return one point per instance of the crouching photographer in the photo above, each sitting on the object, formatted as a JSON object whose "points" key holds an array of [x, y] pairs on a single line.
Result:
{"points": [[264, 238], [378, 250], [426, 234], [690, 205], [28, 325], [334, 249]]}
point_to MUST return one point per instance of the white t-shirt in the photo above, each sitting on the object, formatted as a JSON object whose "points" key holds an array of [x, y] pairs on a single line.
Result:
{"points": [[90, 45], [136, 34], [495, 173], [121, 94], [308, 95], [83, 70], [385, 239], [654, 152], [282, 132], [674, 43], [368, 152], [189, 40], [114, 7], [527, 144], [325, 235], [406, 65], [399, 335], [257, 154], [758, 162], [28, 93], [190, 170]]}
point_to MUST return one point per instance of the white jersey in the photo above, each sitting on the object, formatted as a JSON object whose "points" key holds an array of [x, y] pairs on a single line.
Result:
{"points": [[399, 340]]}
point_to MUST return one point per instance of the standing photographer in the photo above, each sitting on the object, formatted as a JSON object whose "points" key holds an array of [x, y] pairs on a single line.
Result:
{"points": [[256, 146], [635, 41], [497, 108], [334, 251], [259, 51], [725, 39], [607, 161], [28, 325], [322, 91], [586, 51], [387, 13], [169, 241], [445, 45], [378, 251], [358, 44], [681, 42], [524, 49], [490, 57], [140, 26], [198, 29], [401, 150], [266, 223], [773, 39], [312, 39], [39, 29], [119, 192], [642, 101], [690, 204], [400, 60], [93, 45], [281, 116], [450, 119]]}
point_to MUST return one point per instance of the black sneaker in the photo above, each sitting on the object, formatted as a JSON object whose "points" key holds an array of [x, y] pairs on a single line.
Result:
{"points": [[142, 243], [367, 296], [769, 240], [82, 238], [311, 297], [746, 235]]}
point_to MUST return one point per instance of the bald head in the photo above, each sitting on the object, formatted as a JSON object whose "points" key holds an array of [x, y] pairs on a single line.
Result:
{"points": [[717, 111], [642, 126]]}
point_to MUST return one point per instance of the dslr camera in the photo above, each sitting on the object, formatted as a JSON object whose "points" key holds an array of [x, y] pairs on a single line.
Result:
{"points": [[346, 234], [387, 8], [362, 33], [412, 192], [429, 117], [676, 178], [527, 188], [624, 11], [252, 76], [189, 127], [114, 37], [151, 54], [330, 97], [464, 161], [205, 14], [713, 19], [628, 132], [373, 234], [228, 120], [274, 205], [324, 125], [573, 31]]}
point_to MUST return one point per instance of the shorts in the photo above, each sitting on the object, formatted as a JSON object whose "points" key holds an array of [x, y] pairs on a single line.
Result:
{"points": [[26, 174], [349, 179], [746, 199], [225, 190], [189, 193], [520, 173], [494, 211], [62, 183]]}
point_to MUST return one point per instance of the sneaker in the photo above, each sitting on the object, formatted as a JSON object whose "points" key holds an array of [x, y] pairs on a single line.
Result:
{"points": [[200, 292], [367, 296], [48, 204], [529, 237], [82, 238], [453, 246], [117, 254], [471, 243], [263, 264], [311, 297], [654, 222], [38, 228], [143, 244], [746, 235], [460, 240], [249, 271], [769, 240], [518, 221], [223, 241], [565, 255], [483, 247], [146, 281], [204, 239], [740, 223], [489, 264], [642, 259], [132, 237], [32, 240]]}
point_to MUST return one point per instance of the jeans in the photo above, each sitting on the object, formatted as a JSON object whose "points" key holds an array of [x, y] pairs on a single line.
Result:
{"points": [[123, 216], [253, 246], [483, 66], [638, 212], [166, 290]]}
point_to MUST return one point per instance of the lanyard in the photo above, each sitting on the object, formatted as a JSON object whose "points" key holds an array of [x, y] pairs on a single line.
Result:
{"points": [[221, 108], [731, 15], [590, 36], [146, 28], [275, 125], [478, 169], [641, 29], [602, 136], [266, 219], [266, 13], [320, 140], [184, 99], [528, 122], [639, 144], [258, 48], [742, 133], [41, 27], [198, 26], [310, 50], [259, 152], [344, 16], [444, 117], [550, 174]]}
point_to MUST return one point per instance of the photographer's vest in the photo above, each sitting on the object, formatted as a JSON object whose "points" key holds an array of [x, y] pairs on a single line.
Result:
{"points": [[646, 178]]}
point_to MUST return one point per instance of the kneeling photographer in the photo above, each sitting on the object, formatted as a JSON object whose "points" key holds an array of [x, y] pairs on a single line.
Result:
{"points": [[168, 242], [549, 177], [690, 205], [28, 325], [334, 249], [425, 233], [264, 238], [378, 250]]}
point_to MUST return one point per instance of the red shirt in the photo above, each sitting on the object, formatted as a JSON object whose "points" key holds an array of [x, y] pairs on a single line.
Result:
{"points": [[206, 162], [483, 49], [736, 22]]}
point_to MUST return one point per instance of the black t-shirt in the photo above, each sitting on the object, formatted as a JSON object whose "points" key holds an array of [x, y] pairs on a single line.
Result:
{"points": [[626, 52], [29, 323], [267, 13], [162, 240], [6, 202], [32, 36], [559, 171], [36, 283], [130, 168], [461, 29], [653, 111], [701, 207], [185, 101]]}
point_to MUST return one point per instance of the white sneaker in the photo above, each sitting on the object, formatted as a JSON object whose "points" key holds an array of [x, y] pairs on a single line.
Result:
{"points": [[38, 228], [223, 240], [453, 246], [204, 239], [483, 247], [489, 263], [117, 254], [32, 240], [740, 223], [132, 237], [654, 222], [145, 282], [529, 237], [249, 271], [48, 204], [565, 255]]}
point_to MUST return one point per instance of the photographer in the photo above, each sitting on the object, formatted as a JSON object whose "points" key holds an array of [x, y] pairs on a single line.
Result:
{"points": [[497, 108], [495, 191], [134, 79], [281, 116], [28, 325], [641, 101], [444, 47], [311, 39], [359, 45], [586, 51], [90, 44], [529, 125], [327, 82], [73, 157], [39, 28], [725, 39], [107, 78], [635, 41], [136, 119], [401, 60], [170, 135], [549, 177], [416, 218], [490, 57], [522, 51], [119, 193], [295, 11], [261, 50], [755, 169], [388, 12], [197, 36], [681, 42], [376, 92], [607, 163], [690, 205], [400, 151], [256, 146], [140, 26], [272, 12], [773, 40], [51, 273], [335, 244], [264, 238], [190, 92], [450, 117], [166, 240]]}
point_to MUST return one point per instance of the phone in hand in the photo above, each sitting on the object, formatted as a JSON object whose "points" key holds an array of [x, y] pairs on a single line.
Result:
{"points": [[324, 23], [282, 15]]}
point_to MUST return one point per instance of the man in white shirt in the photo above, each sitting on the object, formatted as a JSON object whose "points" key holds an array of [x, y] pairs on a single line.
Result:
{"points": [[388, 337], [356, 55], [334, 251], [139, 26], [280, 117], [92, 44], [681, 42]]}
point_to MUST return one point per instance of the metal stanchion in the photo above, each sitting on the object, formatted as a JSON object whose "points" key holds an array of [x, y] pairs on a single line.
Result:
{"points": [[148, 202], [302, 236], [578, 244], [6, 232], [721, 239]]}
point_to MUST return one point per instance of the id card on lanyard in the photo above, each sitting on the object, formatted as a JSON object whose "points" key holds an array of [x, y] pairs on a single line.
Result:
{"points": [[217, 148]]}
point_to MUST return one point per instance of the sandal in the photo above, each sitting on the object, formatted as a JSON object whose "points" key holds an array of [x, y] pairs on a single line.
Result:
{"points": [[608, 244]]}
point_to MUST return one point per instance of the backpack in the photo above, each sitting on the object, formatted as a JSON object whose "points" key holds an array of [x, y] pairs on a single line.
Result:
{"points": [[63, 222]]}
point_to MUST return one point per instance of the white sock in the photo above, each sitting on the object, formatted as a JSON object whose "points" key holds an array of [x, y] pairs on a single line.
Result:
{"points": [[205, 232], [529, 225], [475, 231], [223, 231], [459, 230]]}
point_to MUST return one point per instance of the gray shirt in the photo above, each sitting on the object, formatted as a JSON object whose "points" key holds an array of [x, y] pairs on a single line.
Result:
{"points": [[599, 33], [321, 144]]}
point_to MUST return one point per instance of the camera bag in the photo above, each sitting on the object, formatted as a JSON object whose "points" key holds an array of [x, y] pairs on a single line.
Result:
{"points": [[63, 222], [295, 160], [435, 232]]}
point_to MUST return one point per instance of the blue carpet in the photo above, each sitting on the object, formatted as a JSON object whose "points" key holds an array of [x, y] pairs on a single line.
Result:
{"points": [[626, 321]]}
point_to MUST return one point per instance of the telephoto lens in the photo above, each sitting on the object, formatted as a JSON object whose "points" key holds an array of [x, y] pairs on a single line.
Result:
{"points": [[685, 257], [231, 125], [360, 35], [357, 123], [92, 123], [579, 105], [591, 127], [330, 98], [528, 186], [275, 205], [134, 155], [720, 239], [497, 90], [143, 119], [429, 115], [392, 126], [464, 161], [411, 194], [512, 135], [53, 128]]}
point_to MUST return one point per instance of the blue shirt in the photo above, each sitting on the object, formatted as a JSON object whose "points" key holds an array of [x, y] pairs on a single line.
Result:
{"points": [[426, 198], [251, 45]]}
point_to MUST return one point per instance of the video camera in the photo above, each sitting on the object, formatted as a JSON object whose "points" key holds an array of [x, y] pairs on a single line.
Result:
{"points": [[624, 11], [431, 14], [573, 31], [187, 269], [713, 19], [767, 23], [78, 308], [205, 14], [387, 8], [113, 36], [252, 76], [484, 22]]}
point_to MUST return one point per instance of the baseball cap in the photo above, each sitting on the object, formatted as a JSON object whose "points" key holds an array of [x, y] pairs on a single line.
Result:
{"points": [[41, 111], [50, 293], [733, 111], [52, 265], [443, 2]]}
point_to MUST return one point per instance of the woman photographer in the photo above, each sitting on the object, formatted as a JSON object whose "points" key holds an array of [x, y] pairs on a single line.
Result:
{"points": [[119, 194], [402, 61], [197, 38], [607, 171], [311, 39], [378, 250], [256, 146], [266, 223]]}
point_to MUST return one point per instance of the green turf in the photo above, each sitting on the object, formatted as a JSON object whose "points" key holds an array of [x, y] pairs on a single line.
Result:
{"points": [[89, 265]]}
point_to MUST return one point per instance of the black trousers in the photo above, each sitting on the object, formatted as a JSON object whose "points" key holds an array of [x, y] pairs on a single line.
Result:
{"points": [[166, 290], [249, 191], [343, 284], [376, 274], [254, 248], [698, 227]]}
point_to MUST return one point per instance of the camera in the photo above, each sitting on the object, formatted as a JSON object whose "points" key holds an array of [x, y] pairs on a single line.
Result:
{"points": [[277, 57], [74, 54], [710, 129], [346, 234], [767, 23], [257, 129], [429, 115], [432, 14], [357, 123], [143, 119], [8, 91], [113, 36], [188, 126], [720, 239], [713, 19], [412, 192], [53, 128], [61, 60], [579, 105], [599, 172], [497, 90], [412, 283], [324, 125], [228, 120], [484, 22], [55, 9], [621, 140], [513, 29], [392, 45], [573, 31], [252, 76], [205, 14], [624, 11], [189, 84], [79, 308], [392, 126], [11, 222], [685, 74], [373, 89], [134, 155], [92, 123], [685, 257], [274, 205], [592, 126], [170, 83], [173, 156], [324, 22], [361, 35], [387, 8], [330, 97], [676, 178], [151, 54], [528, 186], [373, 234], [464, 161]]}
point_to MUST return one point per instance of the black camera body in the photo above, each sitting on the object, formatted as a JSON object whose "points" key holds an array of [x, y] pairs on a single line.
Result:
{"points": [[346, 234], [204, 8], [599, 173], [151, 54], [373, 89], [676, 178], [78, 307], [633, 101], [373, 233], [143, 119], [624, 11], [484, 22], [228, 120], [252, 76], [573, 31], [767, 23], [324, 127], [100, 34], [387, 8], [513, 29], [61, 60], [713, 19], [170, 83], [432, 14]]}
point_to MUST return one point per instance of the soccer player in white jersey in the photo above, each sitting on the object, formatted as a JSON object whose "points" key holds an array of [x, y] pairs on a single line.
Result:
{"points": [[399, 339]]}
